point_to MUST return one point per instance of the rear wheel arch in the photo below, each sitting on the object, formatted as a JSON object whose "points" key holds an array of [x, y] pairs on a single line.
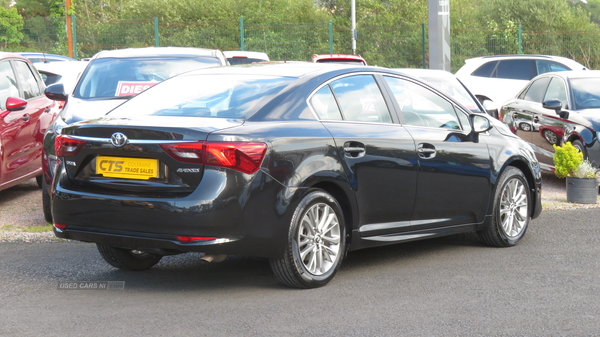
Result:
{"points": [[343, 199]]}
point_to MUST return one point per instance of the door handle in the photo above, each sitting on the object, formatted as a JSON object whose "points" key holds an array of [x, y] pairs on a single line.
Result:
{"points": [[354, 149], [426, 151]]}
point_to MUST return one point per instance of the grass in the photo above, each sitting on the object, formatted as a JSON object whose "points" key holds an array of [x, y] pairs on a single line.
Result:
{"points": [[27, 229]]}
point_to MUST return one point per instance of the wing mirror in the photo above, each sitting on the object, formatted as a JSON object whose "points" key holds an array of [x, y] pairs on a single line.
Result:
{"points": [[15, 104], [56, 92], [479, 124], [556, 105]]}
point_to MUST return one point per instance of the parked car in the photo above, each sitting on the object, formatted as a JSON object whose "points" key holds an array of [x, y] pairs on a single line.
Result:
{"points": [[45, 58], [66, 73], [25, 114], [295, 162], [555, 108], [110, 78], [338, 58], [496, 79], [244, 57]]}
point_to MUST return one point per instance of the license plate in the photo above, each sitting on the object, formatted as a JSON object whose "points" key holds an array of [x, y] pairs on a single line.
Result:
{"points": [[130, 168]]}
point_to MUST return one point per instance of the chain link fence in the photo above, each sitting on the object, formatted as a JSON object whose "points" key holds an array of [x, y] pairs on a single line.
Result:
{"points": [[396, 46]]}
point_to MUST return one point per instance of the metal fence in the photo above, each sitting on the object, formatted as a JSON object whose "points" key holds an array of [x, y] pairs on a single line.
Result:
{"points": [[394, 46]]}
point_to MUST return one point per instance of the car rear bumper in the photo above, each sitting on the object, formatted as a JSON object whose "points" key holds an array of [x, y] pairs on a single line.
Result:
{"points": [[233, 223]]}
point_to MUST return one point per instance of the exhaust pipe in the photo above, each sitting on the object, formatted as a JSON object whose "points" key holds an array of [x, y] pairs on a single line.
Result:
{"points": [[213, 258]]}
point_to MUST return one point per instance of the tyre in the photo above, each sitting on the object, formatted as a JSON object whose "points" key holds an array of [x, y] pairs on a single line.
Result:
{"points": [[579, 145], [39, 181], [127, 259], [511, 210], [551, 137], [46, 204], [316, 243]]}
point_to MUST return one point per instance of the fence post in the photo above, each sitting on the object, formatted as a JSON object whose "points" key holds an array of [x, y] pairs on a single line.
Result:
{"points": [[241, 33], [156, 42], [423, 44], [74, 29], [520, 37], [330, 37]]}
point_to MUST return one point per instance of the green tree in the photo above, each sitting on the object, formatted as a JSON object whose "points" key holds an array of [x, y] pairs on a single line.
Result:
{"points": [[11, 24]]}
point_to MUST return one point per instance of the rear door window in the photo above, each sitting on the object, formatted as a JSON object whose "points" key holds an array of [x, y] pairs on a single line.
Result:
{"points": [[360, 99]]}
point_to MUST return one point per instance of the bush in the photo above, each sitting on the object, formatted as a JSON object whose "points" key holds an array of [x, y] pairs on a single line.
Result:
{"points": [[567, 159]]}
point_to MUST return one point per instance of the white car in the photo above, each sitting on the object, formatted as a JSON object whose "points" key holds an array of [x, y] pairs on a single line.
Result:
{"points": [[61, 72], [496, 79], [245, 57]]}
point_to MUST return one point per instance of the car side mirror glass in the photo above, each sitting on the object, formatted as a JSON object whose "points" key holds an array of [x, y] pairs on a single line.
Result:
{"points": [[479, 123], [56, 92]]}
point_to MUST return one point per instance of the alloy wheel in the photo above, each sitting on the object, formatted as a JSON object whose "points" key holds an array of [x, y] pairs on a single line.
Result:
{"points": [[513, 208], [319, 239]]}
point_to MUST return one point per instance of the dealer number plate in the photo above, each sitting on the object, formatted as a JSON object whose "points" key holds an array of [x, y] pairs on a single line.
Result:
{"points": [[130, 168]]}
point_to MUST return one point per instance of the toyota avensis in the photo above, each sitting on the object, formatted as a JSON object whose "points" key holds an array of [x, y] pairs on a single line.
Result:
{"points": [[297, 163]]}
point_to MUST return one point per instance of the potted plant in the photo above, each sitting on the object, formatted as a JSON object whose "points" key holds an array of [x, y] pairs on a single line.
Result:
{"points": [[581, 176]]}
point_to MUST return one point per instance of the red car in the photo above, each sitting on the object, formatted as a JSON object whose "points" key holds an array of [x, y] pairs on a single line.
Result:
{"points": [[25, 114], [338, 58]]}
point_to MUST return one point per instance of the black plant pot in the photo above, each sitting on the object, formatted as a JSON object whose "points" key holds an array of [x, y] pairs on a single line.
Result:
{"points": [[582, 190]]}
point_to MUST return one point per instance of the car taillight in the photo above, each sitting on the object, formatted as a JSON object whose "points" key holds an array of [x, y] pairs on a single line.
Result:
{"points": [[241, 156], [64, 146], [500, 113], [61, 104]]}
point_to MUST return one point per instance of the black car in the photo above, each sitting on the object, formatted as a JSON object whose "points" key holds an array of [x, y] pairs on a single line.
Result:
{"points": [[298, 163], [555, 108]]}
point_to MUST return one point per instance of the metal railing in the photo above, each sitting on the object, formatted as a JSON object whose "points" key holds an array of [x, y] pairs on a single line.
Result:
{"points": [[389, 46]]}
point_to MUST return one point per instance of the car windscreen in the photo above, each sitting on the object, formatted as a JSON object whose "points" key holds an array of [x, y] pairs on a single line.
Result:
{"points": [[118, 77], [585, 93], [217, 95]]}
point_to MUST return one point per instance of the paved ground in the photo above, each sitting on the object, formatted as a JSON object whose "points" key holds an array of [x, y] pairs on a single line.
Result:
{"points": [[548, 285]]}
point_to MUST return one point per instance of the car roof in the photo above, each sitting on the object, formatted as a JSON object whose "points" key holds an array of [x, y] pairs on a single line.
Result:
{"points": [[45, 55], [158, 52], [4, 55], [283, 69], [567, 61], [61, 67]]}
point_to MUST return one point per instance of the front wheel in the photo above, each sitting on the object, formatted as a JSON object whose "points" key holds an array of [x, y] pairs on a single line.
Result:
{"points": [[127, 259], [511, 210], [315, 246]]}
